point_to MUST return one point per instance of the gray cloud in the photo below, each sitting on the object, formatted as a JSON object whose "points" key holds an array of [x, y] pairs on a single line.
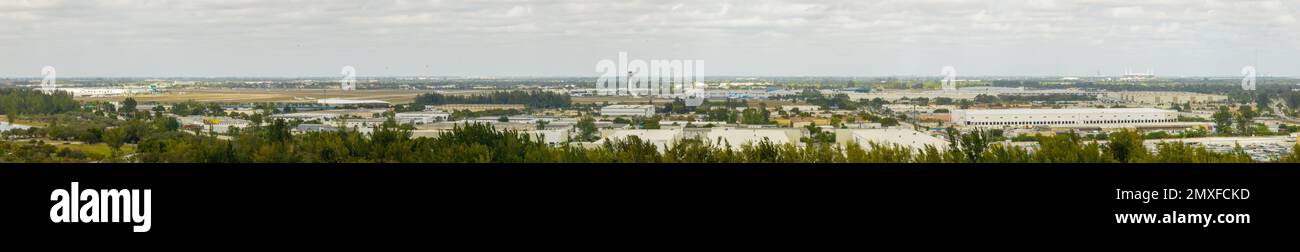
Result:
{"points": [[567, 37]]}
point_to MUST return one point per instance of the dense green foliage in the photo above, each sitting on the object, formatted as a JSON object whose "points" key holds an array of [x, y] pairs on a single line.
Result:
{"points": [[189, 108], [815, 97], [466, 114], [586, 129], [16, 101], [37, 152], [480, 143], [756, 116]]}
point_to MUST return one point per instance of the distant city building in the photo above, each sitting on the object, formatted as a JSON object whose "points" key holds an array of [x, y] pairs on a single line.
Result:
{"points": [[1133, 77], [104, 92], [628, 110]]}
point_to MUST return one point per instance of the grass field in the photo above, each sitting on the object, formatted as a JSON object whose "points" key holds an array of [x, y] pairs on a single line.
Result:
{"points": [[29, 122], [100, 149]]}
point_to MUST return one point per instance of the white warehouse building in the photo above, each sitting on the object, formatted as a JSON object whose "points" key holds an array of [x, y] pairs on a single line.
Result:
{"points": [[628, 110], [912, 139], [661, 138], [740, 137], [425, 117], [1065, 118]]}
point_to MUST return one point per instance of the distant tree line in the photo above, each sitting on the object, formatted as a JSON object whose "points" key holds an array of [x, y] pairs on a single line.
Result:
{"points": [[481, 143], [466, 114], [1033, 98], [815, 97], [533, 99], [25, 101]]}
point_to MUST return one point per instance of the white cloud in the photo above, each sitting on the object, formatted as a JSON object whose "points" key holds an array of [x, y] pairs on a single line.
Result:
{"points": [[299, 34]]}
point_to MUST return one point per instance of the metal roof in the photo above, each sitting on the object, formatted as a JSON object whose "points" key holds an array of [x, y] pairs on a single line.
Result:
{"points": [[1063, 111]]}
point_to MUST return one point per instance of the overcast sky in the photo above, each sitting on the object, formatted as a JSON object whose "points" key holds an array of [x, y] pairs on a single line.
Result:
{"points": [[201, 38]]}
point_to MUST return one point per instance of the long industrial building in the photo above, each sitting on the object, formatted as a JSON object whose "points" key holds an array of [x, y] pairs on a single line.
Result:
{"points": [[1065, 118], [912, 139], [628, 110]]}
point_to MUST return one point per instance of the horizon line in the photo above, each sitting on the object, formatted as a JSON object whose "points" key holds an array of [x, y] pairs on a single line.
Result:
{"points": [[597, 76]]}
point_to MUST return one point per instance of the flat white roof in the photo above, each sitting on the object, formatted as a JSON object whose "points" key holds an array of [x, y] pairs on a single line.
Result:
{"points": [[1063, 111], [660, 135], [910, 138], [738, 137]]}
